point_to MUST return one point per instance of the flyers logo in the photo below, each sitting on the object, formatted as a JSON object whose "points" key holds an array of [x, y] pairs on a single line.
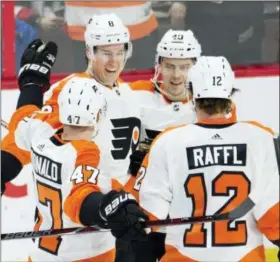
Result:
{"points": [[126, 133]]}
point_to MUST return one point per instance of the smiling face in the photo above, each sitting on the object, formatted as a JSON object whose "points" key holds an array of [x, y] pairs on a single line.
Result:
{"points": [[108, 63], [174, 72]]}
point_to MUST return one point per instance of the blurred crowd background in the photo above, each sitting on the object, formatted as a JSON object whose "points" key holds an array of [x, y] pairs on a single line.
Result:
{"points": [[246, 32]]}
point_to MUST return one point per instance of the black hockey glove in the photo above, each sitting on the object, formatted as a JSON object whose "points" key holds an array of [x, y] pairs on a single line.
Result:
{"points": [[123, 215], [137, 157], [36, 63]]}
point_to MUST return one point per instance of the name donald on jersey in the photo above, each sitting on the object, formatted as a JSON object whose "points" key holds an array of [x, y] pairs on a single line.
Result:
{"points": [[46, 167], [210, 155]]}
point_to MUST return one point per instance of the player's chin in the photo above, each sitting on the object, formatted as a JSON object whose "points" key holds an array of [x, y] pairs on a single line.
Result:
{"points": [[111, 75], [176, 90]]}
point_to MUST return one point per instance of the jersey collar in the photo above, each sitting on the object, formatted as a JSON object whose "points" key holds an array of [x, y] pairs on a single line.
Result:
{"points": [[167, 100], [115, 85], [216, 121]]}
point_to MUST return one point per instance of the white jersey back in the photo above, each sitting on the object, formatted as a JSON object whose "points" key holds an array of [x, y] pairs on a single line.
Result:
{"points": [[53, 165], [64, 174], [202, 169]]}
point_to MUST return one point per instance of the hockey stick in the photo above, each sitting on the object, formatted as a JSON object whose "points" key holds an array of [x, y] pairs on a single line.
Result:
{"points": [[4, 124], [236, 213]]}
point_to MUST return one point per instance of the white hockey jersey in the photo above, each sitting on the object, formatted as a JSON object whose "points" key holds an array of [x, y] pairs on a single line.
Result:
{"points": [[207, 168], [157, 111], [64, 174]]}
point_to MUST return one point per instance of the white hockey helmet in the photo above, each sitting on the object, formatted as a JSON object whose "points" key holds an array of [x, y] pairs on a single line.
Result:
{"points": [[211, 77], [106, 29], [178, 44], [82, 103]]}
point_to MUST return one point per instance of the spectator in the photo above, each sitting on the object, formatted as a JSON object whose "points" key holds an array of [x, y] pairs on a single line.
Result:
{"points": [[45, 20], [138, 16], [25, 34], [233, 29]]}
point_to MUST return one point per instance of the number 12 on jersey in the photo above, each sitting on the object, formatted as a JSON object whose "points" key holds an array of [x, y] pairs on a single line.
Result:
{"points": [[223, 233]]}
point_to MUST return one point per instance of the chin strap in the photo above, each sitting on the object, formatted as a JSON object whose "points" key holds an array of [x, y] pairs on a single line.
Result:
{"points": [[179, 98]]}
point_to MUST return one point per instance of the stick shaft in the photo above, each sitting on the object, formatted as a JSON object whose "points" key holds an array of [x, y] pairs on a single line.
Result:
{"points": [[236, 213]]}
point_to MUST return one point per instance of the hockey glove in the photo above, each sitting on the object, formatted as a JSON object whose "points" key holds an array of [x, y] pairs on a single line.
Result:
{"points": [[137, 157], [123, 215], [36, 63]]}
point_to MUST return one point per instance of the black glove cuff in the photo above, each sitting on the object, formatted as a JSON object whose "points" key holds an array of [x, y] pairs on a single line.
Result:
{"points": [[25, 81], [31, 94], [89, 212]]}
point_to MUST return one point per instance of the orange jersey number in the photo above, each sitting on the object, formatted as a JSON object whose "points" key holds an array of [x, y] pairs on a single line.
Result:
{"points": [[223, 233], [50, 197]]}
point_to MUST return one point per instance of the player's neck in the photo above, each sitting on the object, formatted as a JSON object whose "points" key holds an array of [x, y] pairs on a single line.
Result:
{"points": [[70, 134], [202, 115]]}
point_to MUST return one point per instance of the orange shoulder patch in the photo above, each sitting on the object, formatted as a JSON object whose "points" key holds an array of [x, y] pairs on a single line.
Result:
{"points": [[142, 85]]}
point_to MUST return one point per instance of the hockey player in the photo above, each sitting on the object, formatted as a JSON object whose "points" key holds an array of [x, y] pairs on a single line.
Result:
{"points": [[108, 47], [70, 188], [66, 170], [167, 103], [209, 167]]}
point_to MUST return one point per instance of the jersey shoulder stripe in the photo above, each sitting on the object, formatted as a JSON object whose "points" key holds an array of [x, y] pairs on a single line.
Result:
{"points": [[259, 125]]}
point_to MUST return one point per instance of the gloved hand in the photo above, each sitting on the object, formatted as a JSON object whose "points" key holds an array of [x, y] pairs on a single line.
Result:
{"points": [[36, 64], [137, 157], [123, 215]]}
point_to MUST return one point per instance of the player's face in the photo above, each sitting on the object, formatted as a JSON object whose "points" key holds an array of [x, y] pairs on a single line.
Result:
{"points": [[174, 72], [109, 62]]}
